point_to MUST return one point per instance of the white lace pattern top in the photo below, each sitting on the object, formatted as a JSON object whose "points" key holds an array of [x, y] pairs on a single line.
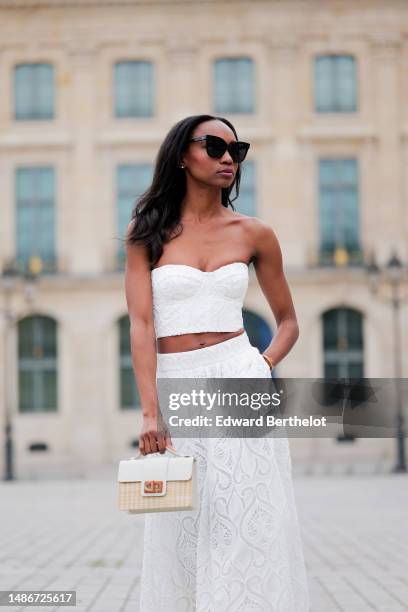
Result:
{"points": [[188, 300]]}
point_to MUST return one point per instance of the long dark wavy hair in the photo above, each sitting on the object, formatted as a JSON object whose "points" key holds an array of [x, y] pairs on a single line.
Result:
{"points": [[157, 211]]}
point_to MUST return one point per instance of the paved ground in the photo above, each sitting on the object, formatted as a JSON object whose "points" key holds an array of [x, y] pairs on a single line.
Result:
{"points": [[69, 535]]}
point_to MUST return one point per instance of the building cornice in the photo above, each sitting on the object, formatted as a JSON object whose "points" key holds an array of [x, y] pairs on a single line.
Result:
{"points": [[337, 132], [337, 4], [27, 4], [131, 136], [35, 141]]}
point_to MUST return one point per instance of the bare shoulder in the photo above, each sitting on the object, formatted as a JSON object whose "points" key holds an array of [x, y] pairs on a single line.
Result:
{"points": [[263, 232], [260, 235], [244, 222]]}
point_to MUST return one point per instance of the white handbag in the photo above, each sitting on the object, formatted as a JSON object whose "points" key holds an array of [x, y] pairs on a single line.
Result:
{"points": [[157, 483]]}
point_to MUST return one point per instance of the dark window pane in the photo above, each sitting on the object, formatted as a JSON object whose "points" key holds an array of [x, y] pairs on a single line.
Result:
{"points": [[37, 355], [234, 85], [343, 343], [35, 213], [335, 83], [339, 205], [34, 91], [134, 83]]}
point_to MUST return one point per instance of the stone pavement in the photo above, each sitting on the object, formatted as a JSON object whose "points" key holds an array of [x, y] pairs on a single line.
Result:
{"points": [[68, 534]]}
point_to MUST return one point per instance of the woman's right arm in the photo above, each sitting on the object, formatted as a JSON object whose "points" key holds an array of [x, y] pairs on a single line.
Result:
{"points": [[154, 436]]}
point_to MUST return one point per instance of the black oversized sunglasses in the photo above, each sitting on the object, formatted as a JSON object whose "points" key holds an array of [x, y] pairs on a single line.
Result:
{"points": [[217, 146]]}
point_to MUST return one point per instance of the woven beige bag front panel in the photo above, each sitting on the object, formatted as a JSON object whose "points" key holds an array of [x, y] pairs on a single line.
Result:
{"points": [[179, 495]]}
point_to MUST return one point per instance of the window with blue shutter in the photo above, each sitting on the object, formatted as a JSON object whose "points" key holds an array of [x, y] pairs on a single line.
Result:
{"points": [[335, 83], [134, 89], [35, 216], [33, 91], [234, 85]]}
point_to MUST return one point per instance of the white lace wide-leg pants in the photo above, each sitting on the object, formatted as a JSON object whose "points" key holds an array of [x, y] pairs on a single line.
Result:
{"points": [[241, 550]]}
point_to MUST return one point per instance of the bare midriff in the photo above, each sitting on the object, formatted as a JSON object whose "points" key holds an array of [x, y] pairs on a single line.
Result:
{"points": [[191, 342]]}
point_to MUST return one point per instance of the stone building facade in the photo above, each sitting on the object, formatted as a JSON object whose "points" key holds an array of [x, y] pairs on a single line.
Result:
{"points": [[88, 91]]}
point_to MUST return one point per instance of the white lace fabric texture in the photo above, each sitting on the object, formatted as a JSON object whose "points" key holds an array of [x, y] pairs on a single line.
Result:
{"points": [[241, 550], [188, 300]]}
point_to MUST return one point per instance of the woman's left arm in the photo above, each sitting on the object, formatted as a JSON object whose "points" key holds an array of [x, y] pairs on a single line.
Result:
{"points": [[268, 265]]}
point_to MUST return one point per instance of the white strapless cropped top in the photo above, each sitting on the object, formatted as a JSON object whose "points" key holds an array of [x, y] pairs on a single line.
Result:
{"points": [[188, 300]]}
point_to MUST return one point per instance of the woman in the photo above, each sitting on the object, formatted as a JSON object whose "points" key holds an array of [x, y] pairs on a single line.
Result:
{"points": [[186, 277]]}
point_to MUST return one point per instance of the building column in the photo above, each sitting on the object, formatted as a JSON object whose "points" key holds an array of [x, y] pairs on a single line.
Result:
{"points": [[285, 194], [386, 54], [181, 80], [84, 250]]}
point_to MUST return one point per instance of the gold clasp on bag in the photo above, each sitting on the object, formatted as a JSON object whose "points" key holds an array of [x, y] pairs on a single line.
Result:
{"points": [[153, 486]]}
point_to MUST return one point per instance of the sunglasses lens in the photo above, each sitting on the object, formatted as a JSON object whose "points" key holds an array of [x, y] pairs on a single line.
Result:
{"points": [[216, 147], [239, 151]]}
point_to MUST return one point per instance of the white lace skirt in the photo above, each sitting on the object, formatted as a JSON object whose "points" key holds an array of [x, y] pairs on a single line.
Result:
{"points": [[241, 550]]}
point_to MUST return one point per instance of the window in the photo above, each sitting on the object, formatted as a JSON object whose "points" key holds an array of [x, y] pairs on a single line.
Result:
{"points": [[35, 212], [134, 89], [339, 210], [37, 364], [343, 343], [246, 201], [129, 394], [34, 91], [335, 84], [132, 180], [234, 85]]}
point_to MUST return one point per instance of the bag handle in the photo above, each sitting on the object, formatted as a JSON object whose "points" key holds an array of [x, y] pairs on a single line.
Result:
{"points": [[168, 448]]}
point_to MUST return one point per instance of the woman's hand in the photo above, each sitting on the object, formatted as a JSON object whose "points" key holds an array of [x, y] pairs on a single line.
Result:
{"points": [[155, 436]]}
